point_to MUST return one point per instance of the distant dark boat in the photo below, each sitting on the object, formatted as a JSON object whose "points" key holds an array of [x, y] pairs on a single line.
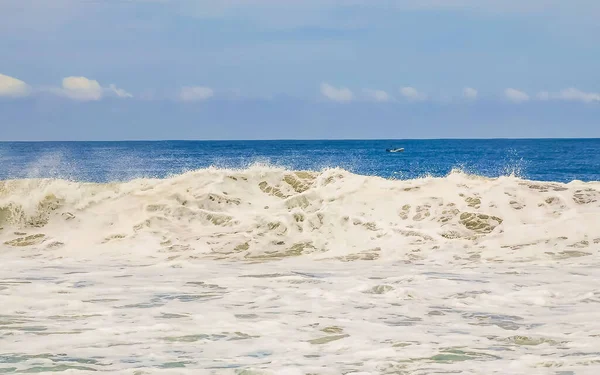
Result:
{"points": [[394, 150]]}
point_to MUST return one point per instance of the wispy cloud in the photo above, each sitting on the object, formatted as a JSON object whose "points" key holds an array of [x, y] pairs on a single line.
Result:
{"points": [[13, 87], [378, 95], [341, 94], [413, 94], [470, 93], [515, 95], [119, 92], [570, 94], [75, 88], [86, 89], [196, 93]]}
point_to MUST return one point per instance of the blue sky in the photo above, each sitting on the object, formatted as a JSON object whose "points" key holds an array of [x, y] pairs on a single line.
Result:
{"points": [[264, 69]]}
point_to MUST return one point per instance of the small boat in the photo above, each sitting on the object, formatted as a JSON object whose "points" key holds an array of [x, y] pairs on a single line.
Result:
{"points": [[394, 150]]}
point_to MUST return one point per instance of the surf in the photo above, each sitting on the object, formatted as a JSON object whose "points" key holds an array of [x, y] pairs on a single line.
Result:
{"points": [[268, 213]]}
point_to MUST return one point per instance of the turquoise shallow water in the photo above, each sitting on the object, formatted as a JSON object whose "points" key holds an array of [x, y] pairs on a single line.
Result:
{"points": [[560, 160]]}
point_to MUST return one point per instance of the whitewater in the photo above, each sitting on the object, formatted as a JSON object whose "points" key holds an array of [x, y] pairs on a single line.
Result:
{"points": [[268, 270]]}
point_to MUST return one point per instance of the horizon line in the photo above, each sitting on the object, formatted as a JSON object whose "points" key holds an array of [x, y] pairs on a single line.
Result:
{"points": [[301, 139]]}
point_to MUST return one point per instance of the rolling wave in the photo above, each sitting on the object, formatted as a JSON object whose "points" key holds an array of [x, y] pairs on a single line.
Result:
{"points": [[267, 213]]}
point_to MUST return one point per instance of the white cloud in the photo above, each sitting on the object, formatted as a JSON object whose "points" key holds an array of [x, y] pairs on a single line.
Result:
{"points": [[12, 87], [85, 89], [571, 94], [81, 88], [412, 94], [338, 95], [470, 93], [119, 92], [378, 95], [516, 96], [196, 93], [76, 88], [575, 94]]}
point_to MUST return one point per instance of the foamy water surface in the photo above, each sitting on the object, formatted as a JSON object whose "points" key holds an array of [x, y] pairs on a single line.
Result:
{"points": [[273, 271]]}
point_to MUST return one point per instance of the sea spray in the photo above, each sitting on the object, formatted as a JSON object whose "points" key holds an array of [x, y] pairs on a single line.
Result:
{"points": [[268, 213]]}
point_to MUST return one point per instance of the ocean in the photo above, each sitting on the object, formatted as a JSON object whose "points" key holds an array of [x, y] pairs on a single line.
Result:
{"points": [[561, 160], [300, 257]]}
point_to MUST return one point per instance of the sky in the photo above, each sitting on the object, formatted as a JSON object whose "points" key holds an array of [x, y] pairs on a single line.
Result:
{"points": [[298, 69]]}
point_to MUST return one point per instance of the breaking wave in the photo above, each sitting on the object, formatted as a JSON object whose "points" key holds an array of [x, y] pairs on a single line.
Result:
{"points": [[266, 213]]}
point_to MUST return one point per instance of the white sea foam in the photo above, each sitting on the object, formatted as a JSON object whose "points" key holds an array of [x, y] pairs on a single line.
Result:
{"points": [[272, 271], [266, 212]]}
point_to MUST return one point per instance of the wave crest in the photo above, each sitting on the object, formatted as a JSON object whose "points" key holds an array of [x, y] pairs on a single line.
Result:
{"points": [[265, 213]]}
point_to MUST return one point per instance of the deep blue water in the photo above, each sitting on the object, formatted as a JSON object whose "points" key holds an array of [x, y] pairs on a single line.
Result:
{"points": [[561, 160]]}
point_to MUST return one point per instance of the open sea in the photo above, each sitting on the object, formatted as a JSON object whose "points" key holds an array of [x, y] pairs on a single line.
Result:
{"points": [[300, 257]]}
